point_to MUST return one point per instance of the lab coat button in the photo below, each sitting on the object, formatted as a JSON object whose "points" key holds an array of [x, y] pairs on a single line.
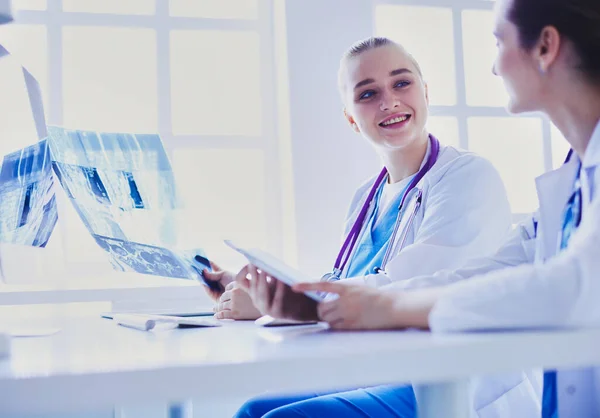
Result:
{"points": [[571, 389]]}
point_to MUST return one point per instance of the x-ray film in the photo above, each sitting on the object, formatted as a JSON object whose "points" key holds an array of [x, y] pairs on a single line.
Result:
{"points": [[27, 201], [146, 259], [123, 188], [28, 211]]}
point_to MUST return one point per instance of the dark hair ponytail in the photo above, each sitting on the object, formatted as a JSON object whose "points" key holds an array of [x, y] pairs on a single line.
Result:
{"points": [[576, 20]]}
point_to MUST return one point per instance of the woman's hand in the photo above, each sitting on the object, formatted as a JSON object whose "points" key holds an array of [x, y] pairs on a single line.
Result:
{"points": [[217, 276], [235, 303], [361, 307], [274, 298]]}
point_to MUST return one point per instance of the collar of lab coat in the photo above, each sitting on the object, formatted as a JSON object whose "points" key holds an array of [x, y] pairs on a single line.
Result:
{"points": [[427, 152], [554, 190]]}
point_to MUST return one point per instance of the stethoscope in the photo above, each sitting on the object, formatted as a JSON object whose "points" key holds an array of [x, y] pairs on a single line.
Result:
{"points": [[349, 244]]}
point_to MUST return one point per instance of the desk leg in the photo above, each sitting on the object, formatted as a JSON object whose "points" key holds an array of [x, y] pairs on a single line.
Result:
{"points": [[448, 400], [180, 410]]}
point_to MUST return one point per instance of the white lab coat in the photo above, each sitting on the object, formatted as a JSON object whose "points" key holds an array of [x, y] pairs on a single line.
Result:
{"points": [[546, 289], [465, 213]]}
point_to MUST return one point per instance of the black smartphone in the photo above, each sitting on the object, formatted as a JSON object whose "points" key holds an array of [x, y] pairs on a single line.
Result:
{"points": [[201, 264]]}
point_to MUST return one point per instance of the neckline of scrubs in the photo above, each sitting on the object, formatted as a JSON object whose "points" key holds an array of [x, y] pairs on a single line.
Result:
{"points": [[374, 240]]}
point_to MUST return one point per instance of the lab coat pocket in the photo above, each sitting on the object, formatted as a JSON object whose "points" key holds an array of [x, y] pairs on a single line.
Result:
{"points": [[519, 401]]}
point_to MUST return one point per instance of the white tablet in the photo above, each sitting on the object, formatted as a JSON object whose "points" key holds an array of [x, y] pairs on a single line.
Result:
{"points": [[276, 268]]}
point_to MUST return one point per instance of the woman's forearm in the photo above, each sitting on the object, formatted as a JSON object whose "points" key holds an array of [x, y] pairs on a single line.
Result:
{"points": [[411, 309]]}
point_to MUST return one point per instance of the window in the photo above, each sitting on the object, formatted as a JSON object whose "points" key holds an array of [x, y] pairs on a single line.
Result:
{"points": [[232, 204], [28, 44], [30, 4], [467, 100], [495, 138], [482, 87], [198, 73], [220, 93], [215, 9], [447, 127], [109, 79], [433, 49], [129, 7]]}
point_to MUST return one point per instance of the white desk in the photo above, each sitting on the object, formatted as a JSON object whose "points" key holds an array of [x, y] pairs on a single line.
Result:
{"points": [[92, 363], [104, 287]]}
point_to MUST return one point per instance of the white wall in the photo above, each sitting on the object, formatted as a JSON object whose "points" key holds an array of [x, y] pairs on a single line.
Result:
{"points": [[329, 160]]}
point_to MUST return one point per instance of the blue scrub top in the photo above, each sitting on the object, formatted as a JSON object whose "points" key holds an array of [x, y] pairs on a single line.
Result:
{"points": [[374, 241]]}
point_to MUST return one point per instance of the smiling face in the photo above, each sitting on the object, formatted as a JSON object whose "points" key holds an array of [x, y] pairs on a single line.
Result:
{"points": [[385, 96]]}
